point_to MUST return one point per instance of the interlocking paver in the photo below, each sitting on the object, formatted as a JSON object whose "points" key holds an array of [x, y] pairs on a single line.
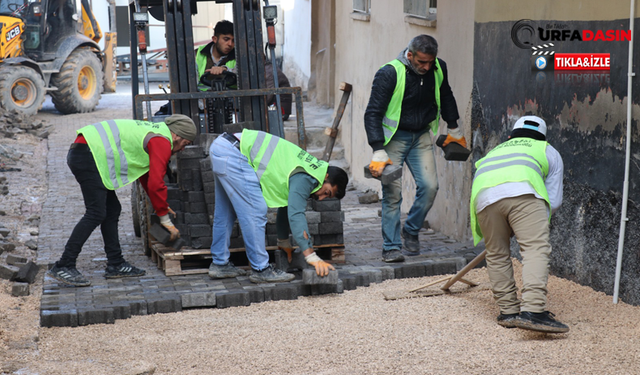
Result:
{"points": [[107, 300]]}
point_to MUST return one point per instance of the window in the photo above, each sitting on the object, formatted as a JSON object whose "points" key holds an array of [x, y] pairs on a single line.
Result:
{"points": [[361, 6], [421, 12], [361, 10]]}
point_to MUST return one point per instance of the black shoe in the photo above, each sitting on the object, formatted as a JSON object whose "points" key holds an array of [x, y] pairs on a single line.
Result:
{"points": [[271, 275], [225, 271], [541, 322], [411, 243], [68, 275], [123, 270], [392, 256], [507, 320]]}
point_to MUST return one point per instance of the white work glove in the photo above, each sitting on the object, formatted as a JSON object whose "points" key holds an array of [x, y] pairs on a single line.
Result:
{"points": [[322, 267], [455, 135], [165, 221], [379, 160]]}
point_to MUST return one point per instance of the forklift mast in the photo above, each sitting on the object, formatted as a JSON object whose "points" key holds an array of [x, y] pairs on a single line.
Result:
{"points": [[183, 76]]}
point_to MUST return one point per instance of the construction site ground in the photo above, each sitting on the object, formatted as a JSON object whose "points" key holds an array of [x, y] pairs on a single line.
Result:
{"points": [[115, 326]]}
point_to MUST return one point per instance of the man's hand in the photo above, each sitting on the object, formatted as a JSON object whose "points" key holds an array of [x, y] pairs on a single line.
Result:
{"points": [[172, 212], [285, 245], [322, 267], [217, 70], [378, 162], [455, 135], [166, 222]]}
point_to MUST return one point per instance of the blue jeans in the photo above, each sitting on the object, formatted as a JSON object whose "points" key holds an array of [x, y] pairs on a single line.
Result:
{"points": [[238, 195], [415, 149]]}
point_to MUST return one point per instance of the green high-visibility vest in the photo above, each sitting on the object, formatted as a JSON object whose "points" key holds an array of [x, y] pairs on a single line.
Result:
{"points": [[119, 148], [394, 109], [275, 159], [201, 61], [516, 160]]}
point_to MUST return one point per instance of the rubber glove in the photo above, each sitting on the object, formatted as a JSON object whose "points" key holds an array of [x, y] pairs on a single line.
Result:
{"points": [[285, 245], [165, 221], [322, 267], [455, 135], [378, 162]]}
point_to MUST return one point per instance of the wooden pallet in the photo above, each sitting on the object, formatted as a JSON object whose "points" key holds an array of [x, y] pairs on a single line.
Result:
{"points": [[189, 261]]}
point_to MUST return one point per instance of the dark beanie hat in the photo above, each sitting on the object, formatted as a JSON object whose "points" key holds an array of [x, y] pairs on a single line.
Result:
{"points": [[182, 126]]}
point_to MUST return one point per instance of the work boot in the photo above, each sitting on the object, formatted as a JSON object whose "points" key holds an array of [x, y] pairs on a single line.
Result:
{"points": [[68, 275], [270, 275], [392, 256], [124, 269], [225, 271], [411, 243], [507, 320], [541, 322]]}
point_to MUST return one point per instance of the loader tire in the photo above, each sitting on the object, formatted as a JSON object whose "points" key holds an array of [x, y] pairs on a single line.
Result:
{"points": [[79, 83], [21, 89]]}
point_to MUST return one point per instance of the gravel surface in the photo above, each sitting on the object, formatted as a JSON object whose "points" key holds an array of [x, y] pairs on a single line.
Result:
{"points": [[357, 332]]}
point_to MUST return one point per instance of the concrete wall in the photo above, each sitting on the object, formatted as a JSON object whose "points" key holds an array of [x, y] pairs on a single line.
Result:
{"points": [[362, 46], [586, 118], [296, 50]]}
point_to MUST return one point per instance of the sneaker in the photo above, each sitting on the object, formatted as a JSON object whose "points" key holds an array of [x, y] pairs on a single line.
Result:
{"points": [[392, 256], [270, 275], [541, 322], [225, 271], [123, 270], [411, 243], [507, 320], [68, 275]]}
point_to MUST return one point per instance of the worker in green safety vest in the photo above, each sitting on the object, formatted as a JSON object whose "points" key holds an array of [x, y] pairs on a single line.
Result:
{"points": [[516, 188], [408, 96], [255, 170], [109, 155], [219, 55]]}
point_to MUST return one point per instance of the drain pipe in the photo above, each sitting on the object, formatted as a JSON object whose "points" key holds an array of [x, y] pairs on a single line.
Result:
{"points": [[625, 189]]}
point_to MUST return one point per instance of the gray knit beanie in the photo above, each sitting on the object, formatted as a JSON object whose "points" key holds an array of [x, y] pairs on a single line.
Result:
{"points": [[182, 126]]}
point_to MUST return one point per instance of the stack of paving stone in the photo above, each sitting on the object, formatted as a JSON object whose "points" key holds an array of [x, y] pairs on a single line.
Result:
{"points": [[192, 198]]}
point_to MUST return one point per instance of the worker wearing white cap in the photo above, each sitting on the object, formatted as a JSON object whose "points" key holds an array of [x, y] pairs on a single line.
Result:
{"points": [[516, 188]]}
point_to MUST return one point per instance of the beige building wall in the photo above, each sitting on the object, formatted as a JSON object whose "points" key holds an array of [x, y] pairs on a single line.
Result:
{"points": [[361, 47], [209, 13]]}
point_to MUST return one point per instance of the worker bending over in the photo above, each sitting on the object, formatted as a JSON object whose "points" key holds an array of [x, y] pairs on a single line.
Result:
{"points": [[255, 170], [516, 188]]}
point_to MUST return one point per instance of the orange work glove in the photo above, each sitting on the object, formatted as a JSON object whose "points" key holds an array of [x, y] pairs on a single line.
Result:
{"points": [[285, 245], [455, 135], [165, 221], [322, 267], [378, 162]]}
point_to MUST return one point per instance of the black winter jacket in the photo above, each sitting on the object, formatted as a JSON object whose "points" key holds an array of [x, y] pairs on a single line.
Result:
{"points": [[418, 105]]}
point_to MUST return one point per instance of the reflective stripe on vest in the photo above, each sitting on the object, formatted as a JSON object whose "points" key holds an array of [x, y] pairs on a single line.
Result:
{"points": [[274, 160], [517, 160], [119, 148], [394, 109]]}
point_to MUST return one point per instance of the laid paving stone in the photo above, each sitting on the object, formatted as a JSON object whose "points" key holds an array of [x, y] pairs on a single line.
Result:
{"points": [[233, 298], [168, 304], [198, 299], [285, 292], [60, 318], [95, 316]]}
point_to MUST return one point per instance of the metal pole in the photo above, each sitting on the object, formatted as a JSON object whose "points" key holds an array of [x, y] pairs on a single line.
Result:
{"points": [[625, 189]]}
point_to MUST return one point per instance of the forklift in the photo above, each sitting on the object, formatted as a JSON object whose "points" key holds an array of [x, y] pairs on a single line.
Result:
{"points": [[250, 107]]}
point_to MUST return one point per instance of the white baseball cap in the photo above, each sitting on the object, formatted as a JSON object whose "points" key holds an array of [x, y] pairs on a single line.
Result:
{"points": [[532, 123]]}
